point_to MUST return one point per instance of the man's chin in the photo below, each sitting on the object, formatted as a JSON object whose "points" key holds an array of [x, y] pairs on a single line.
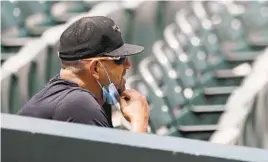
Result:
{"points": [[121, 89], [122, 86]]}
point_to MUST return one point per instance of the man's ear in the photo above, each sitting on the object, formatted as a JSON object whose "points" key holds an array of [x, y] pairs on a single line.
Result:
{"points": [[93, 68]]}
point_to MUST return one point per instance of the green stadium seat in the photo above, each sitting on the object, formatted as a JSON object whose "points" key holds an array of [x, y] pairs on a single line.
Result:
{"points": [[37, 16], [254, 15], [190, 46], [212, 66], [144, 28], [14, 33], [90, 4], [189, 123], [255, 20], [23, 75], [63, 11], [153, 73], [35, 82], [17, 88], [10, 93], [197, 126], [160, 116], [37, 75], [192, 132], [200, 31], [190, 126], [7, 16], [52, 62], [179, 63], [167, 10], [206, 84], [202, 27], [258, 38], [228, 28]]}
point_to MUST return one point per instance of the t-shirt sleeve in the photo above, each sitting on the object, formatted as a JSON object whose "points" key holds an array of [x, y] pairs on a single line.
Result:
{"points": [[81, 107]]}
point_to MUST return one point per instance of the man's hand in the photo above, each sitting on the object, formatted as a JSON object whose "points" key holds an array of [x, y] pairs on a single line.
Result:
{"points": [[135, 109]]}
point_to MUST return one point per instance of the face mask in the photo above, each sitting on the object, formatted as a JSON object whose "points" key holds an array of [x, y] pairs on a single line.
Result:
{"points": [[110, 94]]}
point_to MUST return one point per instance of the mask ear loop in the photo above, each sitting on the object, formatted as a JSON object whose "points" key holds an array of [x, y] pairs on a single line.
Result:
{"points": [[105, 71], [117, 105], [99, 83]]}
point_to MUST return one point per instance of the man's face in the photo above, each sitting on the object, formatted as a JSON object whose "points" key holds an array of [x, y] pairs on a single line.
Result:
{"points": [[115, 71]]}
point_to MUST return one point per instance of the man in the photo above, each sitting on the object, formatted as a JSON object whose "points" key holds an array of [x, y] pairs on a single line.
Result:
{"points": [[94, 61]]}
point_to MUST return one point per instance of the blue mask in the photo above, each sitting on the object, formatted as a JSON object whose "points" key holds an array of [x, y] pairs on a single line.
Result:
{"points": [[110, 94]]}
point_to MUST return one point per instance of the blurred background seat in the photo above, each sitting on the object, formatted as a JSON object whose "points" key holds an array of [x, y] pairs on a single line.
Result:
{"points": [[23, 76], [13, 30], [63, 11], [39, 18], [160, 116]]}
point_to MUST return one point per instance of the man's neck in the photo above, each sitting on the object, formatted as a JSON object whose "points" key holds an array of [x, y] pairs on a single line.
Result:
{"points": [[83, 82]]}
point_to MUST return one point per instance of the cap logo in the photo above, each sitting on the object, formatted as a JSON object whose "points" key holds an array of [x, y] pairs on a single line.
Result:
{"points": [[116, 28]]}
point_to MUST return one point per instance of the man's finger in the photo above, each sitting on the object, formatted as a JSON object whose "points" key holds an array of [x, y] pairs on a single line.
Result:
{"points": [[122, 101], [131, 94]]}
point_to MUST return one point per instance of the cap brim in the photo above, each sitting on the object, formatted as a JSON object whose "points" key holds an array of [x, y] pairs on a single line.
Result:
{"points": [[126, 50]]}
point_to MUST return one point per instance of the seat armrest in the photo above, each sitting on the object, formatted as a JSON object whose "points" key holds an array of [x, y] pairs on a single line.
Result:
{"points": [[208, 108], [198, 128], [228, 73], [241, 56], [261, 43], [258, 39], [219, 90]]}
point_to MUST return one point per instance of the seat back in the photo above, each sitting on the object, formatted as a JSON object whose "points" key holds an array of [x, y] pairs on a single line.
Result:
{"points": [[159, 114], [226, 26], [168, 86], [255, 15], [180, 62], [144, 27], [29, 7], [9, 14], [10, 94], [203, 28]]}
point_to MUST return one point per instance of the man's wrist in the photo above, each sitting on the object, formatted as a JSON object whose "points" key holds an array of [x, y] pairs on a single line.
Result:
{"points": [[139, 125]]}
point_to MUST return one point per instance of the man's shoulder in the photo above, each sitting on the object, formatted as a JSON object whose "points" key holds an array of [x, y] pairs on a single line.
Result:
{"points": [[79, 96], [68, 91], [49, 98], [81, 107]]}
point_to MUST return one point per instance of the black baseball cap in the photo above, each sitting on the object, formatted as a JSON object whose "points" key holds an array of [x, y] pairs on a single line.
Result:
{"points": [[94, 36]]}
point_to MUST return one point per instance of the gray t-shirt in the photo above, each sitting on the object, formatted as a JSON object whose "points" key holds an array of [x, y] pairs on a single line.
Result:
{"points": [[65, 101]]}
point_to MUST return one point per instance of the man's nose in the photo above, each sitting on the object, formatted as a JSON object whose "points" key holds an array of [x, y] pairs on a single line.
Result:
{"points": [[127, 64]]}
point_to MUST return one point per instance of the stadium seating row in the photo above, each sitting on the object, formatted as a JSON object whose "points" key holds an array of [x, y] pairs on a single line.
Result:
{"points": [[203, 58]]}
